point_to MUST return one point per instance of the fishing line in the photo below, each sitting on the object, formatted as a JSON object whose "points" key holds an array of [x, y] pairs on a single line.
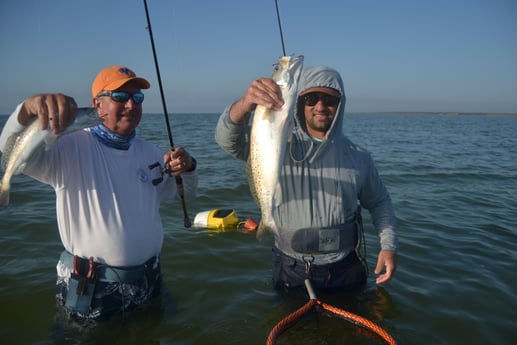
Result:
{"points": [[179, 180], [280, 27]]}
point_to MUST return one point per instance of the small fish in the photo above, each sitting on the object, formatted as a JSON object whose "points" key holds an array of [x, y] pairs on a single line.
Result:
{"points": [[268, 139], [20, 147]]}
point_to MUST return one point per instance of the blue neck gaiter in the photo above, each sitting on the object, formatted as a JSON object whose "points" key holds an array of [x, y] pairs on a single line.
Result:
{"points": [[112, 139]]}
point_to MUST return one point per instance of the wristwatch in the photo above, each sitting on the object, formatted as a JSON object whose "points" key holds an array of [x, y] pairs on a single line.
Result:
{"points": [[193, 166]]}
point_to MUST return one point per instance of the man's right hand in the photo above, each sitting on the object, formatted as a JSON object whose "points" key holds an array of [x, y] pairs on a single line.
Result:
{"points": [[55, 111], [264, 92]]}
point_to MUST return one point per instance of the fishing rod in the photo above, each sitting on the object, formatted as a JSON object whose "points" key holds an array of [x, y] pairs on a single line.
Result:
{"points": [[179, 180], [280, 27]]}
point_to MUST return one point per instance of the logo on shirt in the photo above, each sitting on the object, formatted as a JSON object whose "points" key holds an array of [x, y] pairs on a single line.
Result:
{"points": [[141, 174]]}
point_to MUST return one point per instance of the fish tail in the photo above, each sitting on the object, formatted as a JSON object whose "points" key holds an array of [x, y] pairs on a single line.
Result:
{"points": [[4, 194]]}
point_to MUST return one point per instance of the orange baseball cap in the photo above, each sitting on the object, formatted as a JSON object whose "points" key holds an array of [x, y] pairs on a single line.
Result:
{"points": [[111, 78]]}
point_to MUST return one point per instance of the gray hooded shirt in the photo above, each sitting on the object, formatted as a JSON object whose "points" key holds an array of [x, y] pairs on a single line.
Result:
{"points": [[322, 182]]}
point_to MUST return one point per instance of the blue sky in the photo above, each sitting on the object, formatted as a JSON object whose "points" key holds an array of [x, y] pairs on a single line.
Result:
{"points": [[394, 55]]}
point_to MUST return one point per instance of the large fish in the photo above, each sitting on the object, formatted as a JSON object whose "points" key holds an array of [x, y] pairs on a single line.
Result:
{"points": [[268, 140], [20, 147]]}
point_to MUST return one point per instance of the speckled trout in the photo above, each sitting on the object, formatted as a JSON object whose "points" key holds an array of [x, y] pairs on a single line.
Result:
{"points": [[268, 139], [20, 147]]}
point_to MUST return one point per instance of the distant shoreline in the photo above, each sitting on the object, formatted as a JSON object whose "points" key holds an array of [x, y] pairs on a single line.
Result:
{"points": [[444, 113], [430, 113], [367, 113]]}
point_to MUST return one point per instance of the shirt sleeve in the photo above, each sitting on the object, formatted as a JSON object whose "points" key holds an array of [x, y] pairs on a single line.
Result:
{"points": [[12, 126], [190, 184], [233, 137], [376, 199]]}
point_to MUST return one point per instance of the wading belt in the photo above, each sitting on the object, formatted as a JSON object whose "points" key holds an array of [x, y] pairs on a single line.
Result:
{"points": [[322, 243], [88, 270], [86, 274]]}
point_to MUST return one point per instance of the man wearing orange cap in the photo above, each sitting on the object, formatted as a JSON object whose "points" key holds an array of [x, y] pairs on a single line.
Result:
{"points": [[107, 195]]}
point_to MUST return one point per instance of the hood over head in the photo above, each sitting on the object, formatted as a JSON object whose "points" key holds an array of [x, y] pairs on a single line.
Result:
{"points": [[321, 76]]}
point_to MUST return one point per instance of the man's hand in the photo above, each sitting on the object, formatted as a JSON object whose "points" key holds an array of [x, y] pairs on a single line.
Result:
{"points": [[55, 111], [264, 92], [387, 262], [178, 161]]}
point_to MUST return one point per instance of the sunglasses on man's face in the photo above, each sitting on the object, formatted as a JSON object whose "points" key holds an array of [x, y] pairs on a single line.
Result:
{"points": [[123, 96], [312, 98]]}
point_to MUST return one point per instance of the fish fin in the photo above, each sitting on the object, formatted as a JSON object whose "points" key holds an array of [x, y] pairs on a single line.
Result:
{"points": [[49, 141], [4, 194], [264, 229], [20, 169], [261, 231]]}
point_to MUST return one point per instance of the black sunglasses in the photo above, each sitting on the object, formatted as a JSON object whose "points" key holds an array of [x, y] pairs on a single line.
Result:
{"points": [[312, 98], [123, 96]]}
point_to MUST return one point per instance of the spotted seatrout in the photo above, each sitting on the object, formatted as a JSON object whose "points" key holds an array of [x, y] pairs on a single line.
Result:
{"points": [[268, 139], [20, 147]]}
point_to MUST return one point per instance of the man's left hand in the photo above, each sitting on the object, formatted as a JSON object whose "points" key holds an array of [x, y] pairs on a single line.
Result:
{"points": [[387, 262], [178, 161]]}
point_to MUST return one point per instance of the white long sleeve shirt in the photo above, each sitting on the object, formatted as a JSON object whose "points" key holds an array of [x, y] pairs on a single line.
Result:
{"points": [[107, 206]]}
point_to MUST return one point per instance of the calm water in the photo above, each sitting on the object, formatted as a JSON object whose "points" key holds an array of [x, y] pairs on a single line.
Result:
{"points": [[453, 180]]}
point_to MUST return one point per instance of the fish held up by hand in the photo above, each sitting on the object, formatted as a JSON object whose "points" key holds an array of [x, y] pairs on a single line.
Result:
{"points": [[270, 130], [21, 146]]}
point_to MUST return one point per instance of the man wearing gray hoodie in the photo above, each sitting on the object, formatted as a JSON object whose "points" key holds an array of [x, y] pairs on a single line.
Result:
{"points": [[325, 180]]}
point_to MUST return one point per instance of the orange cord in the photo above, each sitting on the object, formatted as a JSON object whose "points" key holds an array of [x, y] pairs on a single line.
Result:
{"points": [[361, 321], [287, 321]]}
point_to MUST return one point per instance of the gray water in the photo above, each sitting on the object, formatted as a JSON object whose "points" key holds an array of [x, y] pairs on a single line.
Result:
{"points": [[453, 181]]}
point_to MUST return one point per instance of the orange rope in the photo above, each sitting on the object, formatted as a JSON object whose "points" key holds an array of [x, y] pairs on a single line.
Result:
{"points": [[358, 320], [287, 321]]}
